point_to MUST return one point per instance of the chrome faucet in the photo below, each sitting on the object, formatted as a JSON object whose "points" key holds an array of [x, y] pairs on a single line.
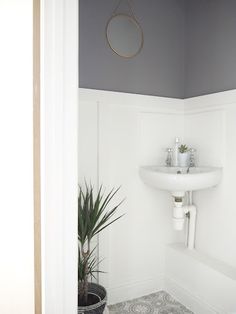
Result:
{"points": [[191, 159]]}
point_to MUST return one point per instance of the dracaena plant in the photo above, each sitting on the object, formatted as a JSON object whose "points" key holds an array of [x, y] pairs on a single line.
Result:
{"points": [[93, 217]]}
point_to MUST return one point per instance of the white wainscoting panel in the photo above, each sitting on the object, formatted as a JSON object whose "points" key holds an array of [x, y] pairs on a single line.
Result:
{"points": [[201, 283], [118, 133], [210, 126]]}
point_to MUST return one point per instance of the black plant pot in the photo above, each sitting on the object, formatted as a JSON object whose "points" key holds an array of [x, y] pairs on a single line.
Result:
{"points": [[99, 307]]}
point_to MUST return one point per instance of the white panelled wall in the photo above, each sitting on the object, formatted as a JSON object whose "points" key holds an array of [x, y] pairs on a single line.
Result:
{"points": [[119, 132], [212, 130]]}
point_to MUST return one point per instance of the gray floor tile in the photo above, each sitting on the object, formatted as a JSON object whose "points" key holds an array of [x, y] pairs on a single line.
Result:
{"points": [[156, 303]]}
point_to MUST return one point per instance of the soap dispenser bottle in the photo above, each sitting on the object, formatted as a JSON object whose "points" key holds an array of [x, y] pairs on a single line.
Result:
{"points": [[175, 159]]}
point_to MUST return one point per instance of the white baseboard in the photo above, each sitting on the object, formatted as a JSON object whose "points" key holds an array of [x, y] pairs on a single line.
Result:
{"points": [[191, 301], [137, 289], [134, 290]]}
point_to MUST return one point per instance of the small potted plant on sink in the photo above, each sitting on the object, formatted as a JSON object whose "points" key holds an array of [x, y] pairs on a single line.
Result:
{"points": [[93, 217], [183, 156]]}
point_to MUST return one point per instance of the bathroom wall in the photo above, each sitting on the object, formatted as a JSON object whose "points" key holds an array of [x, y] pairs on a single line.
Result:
{"points": [[130, 130], [210, 46], [157, 70], [205, 279], [202, 283], [118, 133], [189, 48], [210, 125], [16, 167]]}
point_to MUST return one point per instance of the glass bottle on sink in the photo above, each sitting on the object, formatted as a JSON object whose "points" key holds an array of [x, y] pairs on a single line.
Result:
{"points": [[169, 157]]}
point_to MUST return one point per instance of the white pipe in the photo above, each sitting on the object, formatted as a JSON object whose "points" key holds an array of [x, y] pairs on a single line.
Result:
{"points": [[179, 212], [192, 226], [186, 230], [190, 197], [189, 201], [178, 216], [192, 221]]}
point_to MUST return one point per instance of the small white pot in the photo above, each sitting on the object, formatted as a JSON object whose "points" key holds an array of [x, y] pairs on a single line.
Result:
{"points": [[183, 159]]}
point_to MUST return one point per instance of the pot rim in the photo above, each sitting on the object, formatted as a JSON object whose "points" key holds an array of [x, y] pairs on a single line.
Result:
{"points": [[103, 301]]}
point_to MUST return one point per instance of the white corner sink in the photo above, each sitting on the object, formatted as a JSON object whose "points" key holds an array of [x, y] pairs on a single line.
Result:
{"points": [[176, 179]]}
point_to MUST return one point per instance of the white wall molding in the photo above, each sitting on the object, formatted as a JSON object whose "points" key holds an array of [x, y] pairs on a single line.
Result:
{"points": [[135, 289], [190, 300], [168, 105], [200, 282], [213, 263], [211, 102], [147, 104]]}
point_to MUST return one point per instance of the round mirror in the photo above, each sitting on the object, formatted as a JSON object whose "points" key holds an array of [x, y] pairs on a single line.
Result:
{"points": [[124, 35]]}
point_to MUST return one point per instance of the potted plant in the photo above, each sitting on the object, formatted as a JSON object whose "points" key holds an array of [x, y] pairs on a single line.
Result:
{"points": [[93, 217], [183, 155]]}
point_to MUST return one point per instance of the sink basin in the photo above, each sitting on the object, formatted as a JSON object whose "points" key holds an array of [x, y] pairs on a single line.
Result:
{"points": [[176, 179]]}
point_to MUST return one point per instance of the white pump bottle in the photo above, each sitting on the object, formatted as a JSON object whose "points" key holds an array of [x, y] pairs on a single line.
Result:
{"points": [[175, 160]]}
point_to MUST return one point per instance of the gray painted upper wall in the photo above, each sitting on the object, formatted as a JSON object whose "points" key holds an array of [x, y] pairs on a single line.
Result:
{"points": [[210, 46], [157, 70], [189, 48]]}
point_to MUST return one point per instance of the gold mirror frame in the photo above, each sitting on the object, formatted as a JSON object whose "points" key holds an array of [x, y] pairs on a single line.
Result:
{"points": [[135, 22]]}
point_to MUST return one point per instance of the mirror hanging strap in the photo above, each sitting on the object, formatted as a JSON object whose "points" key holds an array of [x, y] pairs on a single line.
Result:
{"points": [[130, 8]]}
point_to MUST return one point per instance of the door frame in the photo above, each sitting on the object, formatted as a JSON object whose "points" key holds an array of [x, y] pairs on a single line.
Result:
{"points": [[36, 158], [55, 155]]}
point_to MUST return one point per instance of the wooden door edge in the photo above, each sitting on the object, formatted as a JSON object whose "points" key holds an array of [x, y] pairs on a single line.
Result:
{"points": [[36, 154]]}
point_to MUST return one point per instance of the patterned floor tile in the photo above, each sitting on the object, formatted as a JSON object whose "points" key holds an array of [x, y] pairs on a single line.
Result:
{"points": [[156, 303]]}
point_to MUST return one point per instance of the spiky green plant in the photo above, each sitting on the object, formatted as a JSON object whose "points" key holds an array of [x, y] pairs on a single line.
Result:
{"points": [[183, 149], [93, 217]]}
